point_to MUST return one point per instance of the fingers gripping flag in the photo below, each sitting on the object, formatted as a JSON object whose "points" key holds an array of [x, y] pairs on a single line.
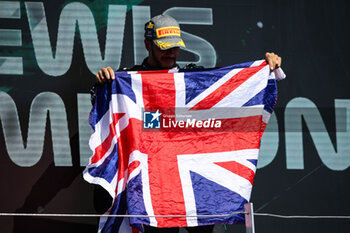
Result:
{"points": [[153, 162]]}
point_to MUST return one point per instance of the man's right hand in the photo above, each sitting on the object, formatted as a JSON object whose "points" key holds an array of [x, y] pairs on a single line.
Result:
{"points": [[105, 75]]}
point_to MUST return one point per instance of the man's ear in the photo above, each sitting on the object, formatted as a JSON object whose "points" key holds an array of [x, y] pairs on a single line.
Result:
{"points": [[148, 45]]}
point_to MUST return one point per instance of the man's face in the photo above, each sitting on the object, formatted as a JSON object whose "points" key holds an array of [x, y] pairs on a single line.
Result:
{"points": [[164, 59]]}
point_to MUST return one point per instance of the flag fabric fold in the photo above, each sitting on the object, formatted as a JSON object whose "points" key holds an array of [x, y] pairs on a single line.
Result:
{"points": [[179, 142]]}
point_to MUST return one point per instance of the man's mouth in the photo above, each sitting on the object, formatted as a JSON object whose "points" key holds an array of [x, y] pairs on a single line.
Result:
{"points": [[169, 58]]}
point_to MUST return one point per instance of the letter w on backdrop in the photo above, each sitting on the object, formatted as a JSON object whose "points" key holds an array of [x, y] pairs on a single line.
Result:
{"points": [[150, 170]]}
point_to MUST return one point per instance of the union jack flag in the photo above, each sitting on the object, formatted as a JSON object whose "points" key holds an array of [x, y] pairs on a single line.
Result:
{"points": [[179, 172]]}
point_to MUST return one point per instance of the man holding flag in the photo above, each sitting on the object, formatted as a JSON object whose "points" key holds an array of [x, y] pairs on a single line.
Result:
{"points": [[178, 172]]}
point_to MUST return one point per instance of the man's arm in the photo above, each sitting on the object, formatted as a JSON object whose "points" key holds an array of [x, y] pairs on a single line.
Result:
{"points": [[107, 73]]}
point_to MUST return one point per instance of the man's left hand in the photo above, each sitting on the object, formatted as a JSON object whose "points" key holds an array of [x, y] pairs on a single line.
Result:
{"points": [[273, 60]]}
